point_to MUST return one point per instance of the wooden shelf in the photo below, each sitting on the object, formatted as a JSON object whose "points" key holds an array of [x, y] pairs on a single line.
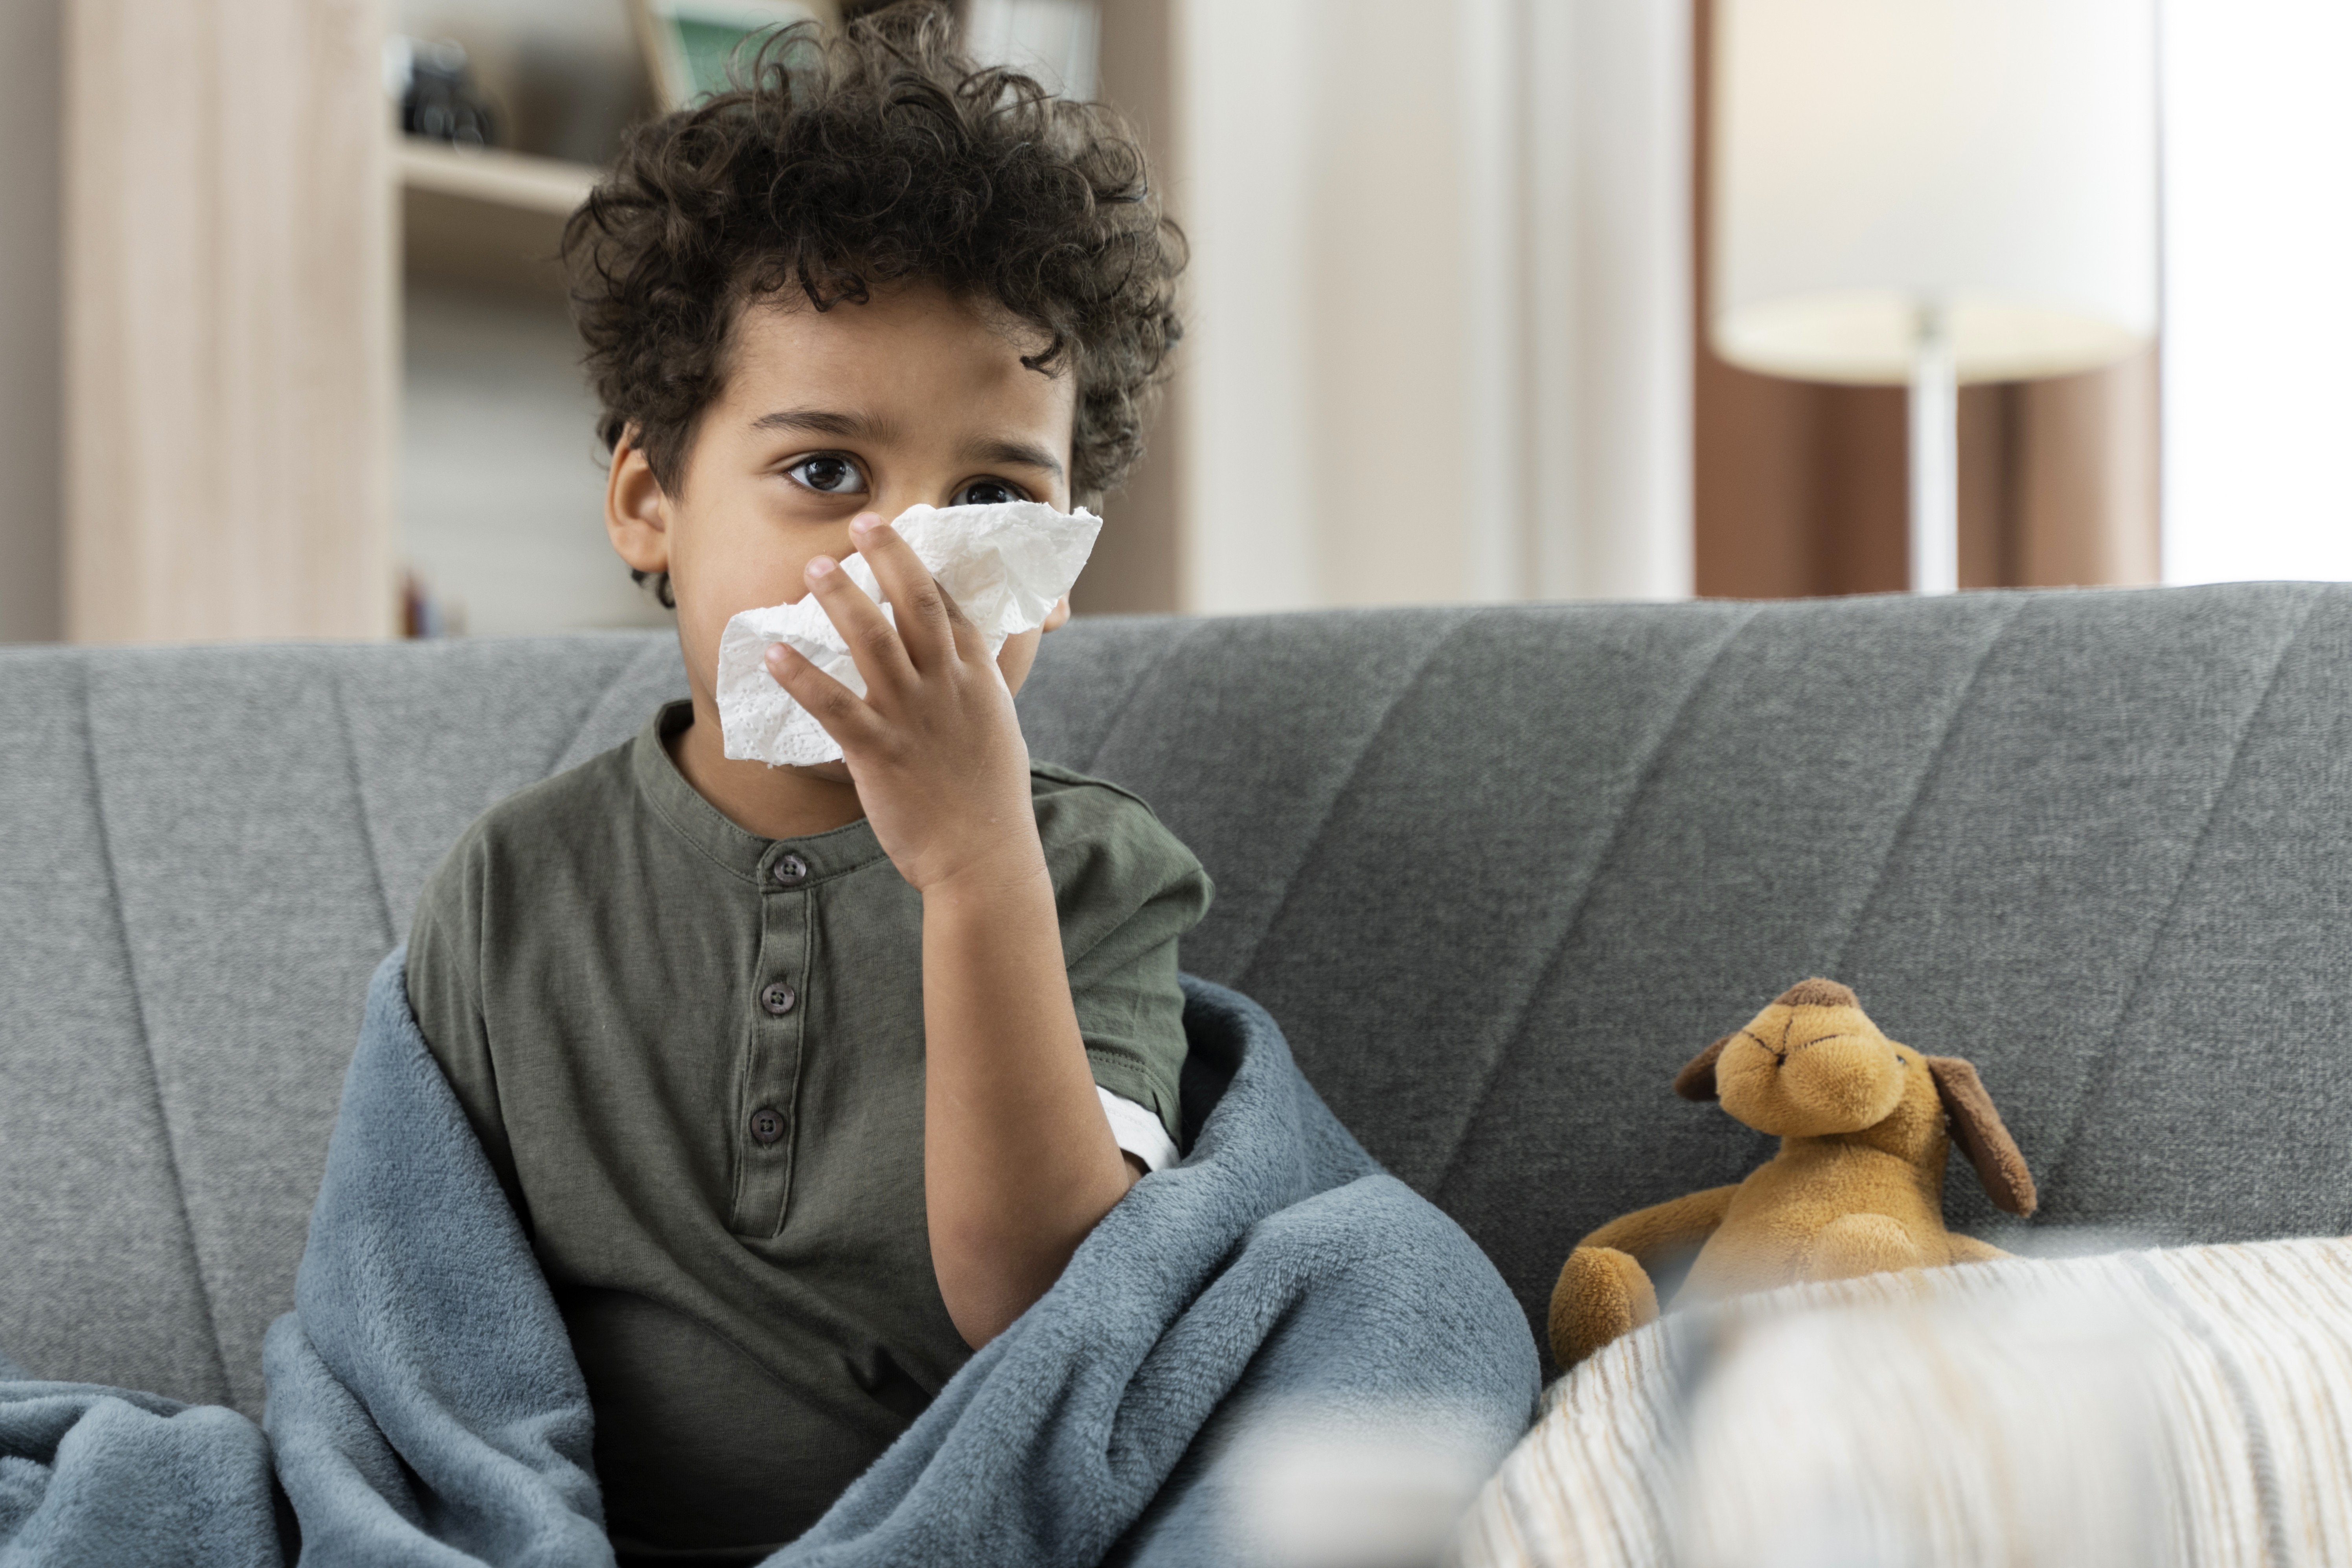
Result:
{"points": [[492, 176], [489, 220]]}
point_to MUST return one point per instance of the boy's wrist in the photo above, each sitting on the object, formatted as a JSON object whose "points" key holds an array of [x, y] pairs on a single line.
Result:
{"points": [[1012, 870]]}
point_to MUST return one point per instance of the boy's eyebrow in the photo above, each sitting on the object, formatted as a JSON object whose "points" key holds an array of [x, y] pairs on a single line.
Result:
{"points": [[823, 421], [1025, 453]]}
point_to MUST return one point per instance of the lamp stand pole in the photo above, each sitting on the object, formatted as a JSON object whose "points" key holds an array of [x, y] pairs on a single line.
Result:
{"points": [[1935, 458]]}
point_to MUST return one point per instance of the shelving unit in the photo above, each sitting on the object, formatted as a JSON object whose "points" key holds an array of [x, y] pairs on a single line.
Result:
{"points": [[500, 492], [487, 219]]}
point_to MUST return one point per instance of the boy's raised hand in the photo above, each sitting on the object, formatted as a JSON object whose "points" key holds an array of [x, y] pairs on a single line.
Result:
{"points": [[1019, 1162], [934, 746]]}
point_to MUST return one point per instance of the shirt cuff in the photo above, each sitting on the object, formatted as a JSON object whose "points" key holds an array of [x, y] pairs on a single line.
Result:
{"points": [[1138, 1130]]}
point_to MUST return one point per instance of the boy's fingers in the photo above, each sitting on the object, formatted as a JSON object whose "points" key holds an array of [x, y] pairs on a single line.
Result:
{"points": [[915, 597], [969, 643], [873, 642], [843, 714]]}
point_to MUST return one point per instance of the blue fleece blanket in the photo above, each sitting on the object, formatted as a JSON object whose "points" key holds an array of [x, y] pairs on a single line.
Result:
{"points": [[1273, 1292]]}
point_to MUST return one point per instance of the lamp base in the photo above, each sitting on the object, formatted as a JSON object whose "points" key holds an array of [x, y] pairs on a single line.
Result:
{"points": [[1935, 458]]}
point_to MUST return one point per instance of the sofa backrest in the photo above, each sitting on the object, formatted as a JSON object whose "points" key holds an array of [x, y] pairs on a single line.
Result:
{"points": [[1498, 873]]}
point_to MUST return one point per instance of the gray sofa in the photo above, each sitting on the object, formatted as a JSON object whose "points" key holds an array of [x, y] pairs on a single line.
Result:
{"points": [[1498, 873]]}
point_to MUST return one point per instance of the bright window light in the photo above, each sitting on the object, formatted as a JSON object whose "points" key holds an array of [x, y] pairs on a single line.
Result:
{"points": [[2258, 268]]}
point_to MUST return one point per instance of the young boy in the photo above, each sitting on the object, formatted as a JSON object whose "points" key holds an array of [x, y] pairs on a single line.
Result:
{"points": [[806, 1081]]}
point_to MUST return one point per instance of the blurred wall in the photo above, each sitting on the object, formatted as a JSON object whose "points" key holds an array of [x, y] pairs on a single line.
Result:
{"points": [[2257, 148], [31, 66]]}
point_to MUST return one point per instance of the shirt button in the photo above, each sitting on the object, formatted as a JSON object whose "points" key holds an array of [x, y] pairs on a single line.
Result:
{"points": [[790, 870], [767, 1124], [778, 998]]}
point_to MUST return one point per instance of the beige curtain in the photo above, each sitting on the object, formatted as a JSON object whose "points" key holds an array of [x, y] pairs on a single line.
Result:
{"points": [[1440, 338]]}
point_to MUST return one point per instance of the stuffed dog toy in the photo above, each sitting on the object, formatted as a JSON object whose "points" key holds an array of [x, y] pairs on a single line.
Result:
{"points": [[1857, 1186]]}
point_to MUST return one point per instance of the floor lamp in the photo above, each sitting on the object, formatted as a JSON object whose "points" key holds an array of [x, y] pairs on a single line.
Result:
{"points": [[1926, 193]]}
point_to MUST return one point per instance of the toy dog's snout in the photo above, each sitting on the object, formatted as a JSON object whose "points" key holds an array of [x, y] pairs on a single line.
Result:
{"points": [[1809, 1065]]}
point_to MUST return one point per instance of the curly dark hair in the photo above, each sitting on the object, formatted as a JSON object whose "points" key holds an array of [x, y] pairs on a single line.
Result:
{"points": [[876, 156]]}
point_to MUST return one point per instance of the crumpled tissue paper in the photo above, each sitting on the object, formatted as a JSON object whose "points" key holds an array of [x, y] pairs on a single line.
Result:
{"points": [[1004, 565]]}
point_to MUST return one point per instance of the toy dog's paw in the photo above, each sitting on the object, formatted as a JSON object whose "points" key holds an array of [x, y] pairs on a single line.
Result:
{"points": [[1858, 1244], [1602, 1294], [1969, 1249]]}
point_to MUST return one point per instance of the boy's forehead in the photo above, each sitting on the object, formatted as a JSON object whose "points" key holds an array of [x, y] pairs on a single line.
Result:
{"points": [[914, 342]]}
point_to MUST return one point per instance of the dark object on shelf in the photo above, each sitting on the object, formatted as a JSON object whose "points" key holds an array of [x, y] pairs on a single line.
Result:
{"points": [[438, 98], [424, 614]]}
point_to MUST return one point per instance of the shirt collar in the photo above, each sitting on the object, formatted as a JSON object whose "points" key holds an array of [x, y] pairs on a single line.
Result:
{"points": [[745, 854]]}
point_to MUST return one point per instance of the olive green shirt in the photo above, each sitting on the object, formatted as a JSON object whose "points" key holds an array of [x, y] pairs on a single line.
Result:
{"points": [[695, 1059]]}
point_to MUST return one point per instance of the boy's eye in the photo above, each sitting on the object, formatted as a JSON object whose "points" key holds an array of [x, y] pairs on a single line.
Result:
{"points": [[827, 475], [987, 492]]}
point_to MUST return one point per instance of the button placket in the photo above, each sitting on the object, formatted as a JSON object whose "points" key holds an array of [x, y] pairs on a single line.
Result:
{"points": [[767, 1119]]}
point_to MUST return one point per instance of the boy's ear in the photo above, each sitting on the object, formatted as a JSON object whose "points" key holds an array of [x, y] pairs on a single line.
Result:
{"points": [[636, 512]]}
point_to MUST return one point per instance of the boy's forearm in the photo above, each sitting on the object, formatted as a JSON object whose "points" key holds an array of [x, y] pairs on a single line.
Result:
{"points": [[1018, 1160]]}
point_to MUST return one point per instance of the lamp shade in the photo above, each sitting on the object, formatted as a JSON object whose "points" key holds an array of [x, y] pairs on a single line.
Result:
{"points": [[1993, 159]]}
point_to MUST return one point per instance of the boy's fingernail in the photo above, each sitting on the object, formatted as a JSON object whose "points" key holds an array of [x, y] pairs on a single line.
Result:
{"points": [[820, 566], [865, 522]]}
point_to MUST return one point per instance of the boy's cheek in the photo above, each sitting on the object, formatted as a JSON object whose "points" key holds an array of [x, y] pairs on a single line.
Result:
{"points": [[1019, 652], [717, 576], [707, 601]]}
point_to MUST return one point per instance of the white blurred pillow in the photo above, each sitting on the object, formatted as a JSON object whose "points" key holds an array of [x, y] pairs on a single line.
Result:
{"points": [[2191, 1407]]}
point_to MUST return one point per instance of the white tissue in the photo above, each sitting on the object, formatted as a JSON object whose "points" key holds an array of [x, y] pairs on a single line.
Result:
{"points": [[1004, 565]]}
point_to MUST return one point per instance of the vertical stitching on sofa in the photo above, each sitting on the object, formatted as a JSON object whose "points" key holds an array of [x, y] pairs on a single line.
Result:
{"points": [[146, 1036], [359, 801], [1644, 779], [1313, 841], [1927, 776], [2104, 1058], [1126, 709]]}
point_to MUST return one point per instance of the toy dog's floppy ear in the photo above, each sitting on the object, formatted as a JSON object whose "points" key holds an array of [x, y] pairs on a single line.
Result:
{"points": [[1697, 1081], [2001, 1164]]}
